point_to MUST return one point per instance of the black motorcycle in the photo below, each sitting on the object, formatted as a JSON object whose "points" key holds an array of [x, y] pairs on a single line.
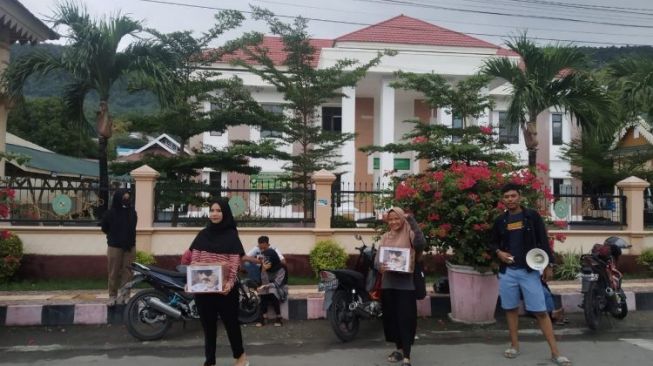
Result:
{"points": [[601, 282], [150, 312], [349, 294]]}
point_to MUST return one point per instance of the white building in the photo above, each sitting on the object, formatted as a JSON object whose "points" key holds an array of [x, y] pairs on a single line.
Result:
{"points": [[375, 111]]}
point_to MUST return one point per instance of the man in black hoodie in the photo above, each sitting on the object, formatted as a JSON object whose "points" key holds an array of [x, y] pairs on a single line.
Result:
{"points": [[119, 223]]}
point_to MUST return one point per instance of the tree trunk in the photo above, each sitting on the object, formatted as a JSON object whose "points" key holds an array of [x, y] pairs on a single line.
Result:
{"points": [[529, 130], [104, 177], [104, 130]]}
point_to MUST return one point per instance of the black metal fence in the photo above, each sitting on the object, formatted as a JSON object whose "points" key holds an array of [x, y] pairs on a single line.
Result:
{"points": [[53, 201], [589, 209], [253, 204], [357, 204], [648, 208]]}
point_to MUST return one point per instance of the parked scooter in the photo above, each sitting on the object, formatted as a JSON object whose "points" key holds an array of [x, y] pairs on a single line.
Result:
{"points": [[349, 294], [601, 282], [150, 312]]}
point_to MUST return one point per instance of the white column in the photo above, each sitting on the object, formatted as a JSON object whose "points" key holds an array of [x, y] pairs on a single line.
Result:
{"points": [[387, 126], [348, 150]]}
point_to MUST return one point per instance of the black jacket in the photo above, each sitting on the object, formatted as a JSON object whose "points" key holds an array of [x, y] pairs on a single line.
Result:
{"points": [[119, 223], [535, 235]]}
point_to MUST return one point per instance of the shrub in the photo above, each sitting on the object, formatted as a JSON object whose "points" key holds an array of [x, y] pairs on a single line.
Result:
{"points": [[569, 267], [11, 253], [646, 258], [339, 221], [145, 258], [327, 254]]}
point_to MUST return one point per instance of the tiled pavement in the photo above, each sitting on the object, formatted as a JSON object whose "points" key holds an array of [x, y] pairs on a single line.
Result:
{"points": [[89, 307]]}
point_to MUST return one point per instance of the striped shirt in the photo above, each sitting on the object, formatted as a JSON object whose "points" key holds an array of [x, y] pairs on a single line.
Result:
{"points": [[230, 265]]}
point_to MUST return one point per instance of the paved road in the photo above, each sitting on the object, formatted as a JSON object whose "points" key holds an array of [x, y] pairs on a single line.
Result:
{"points": [[312, 343]]}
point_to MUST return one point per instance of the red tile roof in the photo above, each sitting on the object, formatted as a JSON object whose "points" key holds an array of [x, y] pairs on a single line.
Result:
{"points": [[407, 30], [276, 50]]}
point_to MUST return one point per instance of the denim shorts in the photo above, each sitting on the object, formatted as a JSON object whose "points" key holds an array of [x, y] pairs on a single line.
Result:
{"points": [[516, 282]]}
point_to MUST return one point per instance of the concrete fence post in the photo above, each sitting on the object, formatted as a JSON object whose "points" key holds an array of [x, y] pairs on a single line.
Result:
{"points": [[323, 181], [633, 188], [144, 180]]}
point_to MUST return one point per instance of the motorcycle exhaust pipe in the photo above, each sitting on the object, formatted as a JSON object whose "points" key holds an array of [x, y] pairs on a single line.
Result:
{"points": [[159, 305]]}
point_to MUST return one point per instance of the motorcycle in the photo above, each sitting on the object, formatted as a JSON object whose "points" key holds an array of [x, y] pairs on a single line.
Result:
{"points": [[149, 313], [350, 295], [601, 282]]}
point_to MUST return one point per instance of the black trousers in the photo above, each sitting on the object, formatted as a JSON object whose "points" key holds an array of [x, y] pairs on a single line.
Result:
{"points": [[266, 301], [209, 306], [399, 318]]}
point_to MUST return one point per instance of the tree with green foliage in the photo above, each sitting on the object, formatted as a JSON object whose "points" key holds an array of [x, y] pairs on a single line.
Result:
{"points": [[188, 85], [634, 77], [545, 77], [44, 122], [305, 88], [441, 145], [92, 62]]}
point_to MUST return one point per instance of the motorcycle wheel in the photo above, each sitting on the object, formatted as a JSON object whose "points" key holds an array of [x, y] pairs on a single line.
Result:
{"points": [[592, 305], [343, 321], [249, 309], [623, 306], [143, 322]]}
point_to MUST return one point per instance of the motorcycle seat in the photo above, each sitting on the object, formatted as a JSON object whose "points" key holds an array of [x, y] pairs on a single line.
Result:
{"points": [[348, 272], [166, 272]]}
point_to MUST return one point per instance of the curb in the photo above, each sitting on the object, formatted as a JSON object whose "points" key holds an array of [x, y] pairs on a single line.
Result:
{"points": [[294, 309]]}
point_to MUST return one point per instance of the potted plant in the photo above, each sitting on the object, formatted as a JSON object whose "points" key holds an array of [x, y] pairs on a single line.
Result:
{"points": [[456, 206]]}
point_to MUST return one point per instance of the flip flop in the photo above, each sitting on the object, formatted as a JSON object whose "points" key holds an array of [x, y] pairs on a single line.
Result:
{"points": [[511, 353], [561, 361], [395, 356]]}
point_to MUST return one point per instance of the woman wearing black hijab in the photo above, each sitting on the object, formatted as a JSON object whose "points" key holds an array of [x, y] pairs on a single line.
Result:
{"points": [[273, 290], [219, 243]]}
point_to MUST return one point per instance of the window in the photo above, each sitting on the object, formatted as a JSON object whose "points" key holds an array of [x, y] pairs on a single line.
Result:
{"points": [[215, 179], [214, 107], [557, 186], [556, 128], [508, 132], [270, 199], [272, 108], [456, 122], [332, 119]]}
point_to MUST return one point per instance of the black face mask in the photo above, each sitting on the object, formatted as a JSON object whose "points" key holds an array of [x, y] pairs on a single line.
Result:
{"points": [[126, 202]]}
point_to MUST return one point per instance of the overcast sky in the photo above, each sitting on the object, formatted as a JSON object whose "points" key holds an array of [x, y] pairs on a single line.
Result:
{"points": [[597, 23]]}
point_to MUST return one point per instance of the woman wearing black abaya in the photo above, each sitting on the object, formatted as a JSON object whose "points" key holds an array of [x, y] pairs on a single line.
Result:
{"points": [[219, 243]]}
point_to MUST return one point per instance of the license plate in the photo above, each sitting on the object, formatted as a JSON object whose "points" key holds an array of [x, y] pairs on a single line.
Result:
{"points": [[328, 285]]}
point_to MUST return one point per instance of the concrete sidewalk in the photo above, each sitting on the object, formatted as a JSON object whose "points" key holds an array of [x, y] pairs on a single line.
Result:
{"points": [[305, 302]]}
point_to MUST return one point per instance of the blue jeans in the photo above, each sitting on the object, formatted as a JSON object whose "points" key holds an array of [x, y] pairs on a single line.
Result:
{"points": [[516, 282], [548, 298]]}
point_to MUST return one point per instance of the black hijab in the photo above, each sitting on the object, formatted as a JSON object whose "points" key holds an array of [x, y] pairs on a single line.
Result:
{"points": [[221, 238], [273, 258]]}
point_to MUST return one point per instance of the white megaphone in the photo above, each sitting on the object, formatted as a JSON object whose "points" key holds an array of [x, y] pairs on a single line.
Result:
{"points": [[537, 259]]}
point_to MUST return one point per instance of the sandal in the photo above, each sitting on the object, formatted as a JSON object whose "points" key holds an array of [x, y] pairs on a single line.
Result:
{"points": [[260, 323], [395, 356], [561, 361], [511, 353], [278, 323], [405, 363]]}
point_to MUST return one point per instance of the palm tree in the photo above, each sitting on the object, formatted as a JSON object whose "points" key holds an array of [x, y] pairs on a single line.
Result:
{"points": [[634, 77], [552, 76], [92, 63]]}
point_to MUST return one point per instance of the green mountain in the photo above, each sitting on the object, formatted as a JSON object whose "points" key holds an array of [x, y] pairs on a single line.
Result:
{"points": [[121, 103]]}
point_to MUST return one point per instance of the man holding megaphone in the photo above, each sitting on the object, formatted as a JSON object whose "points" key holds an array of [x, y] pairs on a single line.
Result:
{"points": [[514, 234]]}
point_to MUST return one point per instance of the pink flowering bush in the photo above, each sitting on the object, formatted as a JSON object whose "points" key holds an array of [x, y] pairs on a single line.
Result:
{"points": [[456, 206], [11, 247]]}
